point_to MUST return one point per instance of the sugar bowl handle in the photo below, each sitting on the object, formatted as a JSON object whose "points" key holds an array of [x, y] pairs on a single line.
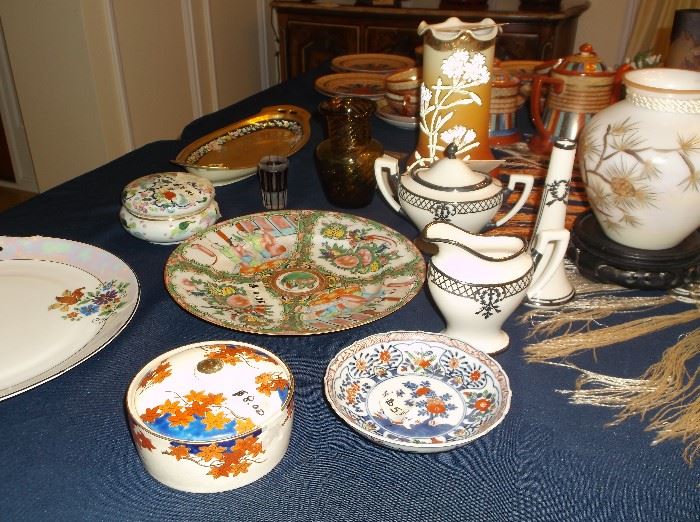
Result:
{"points": [[381, 164], [517, 179]]}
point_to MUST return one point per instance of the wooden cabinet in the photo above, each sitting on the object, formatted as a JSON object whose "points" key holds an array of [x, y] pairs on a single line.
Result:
{"points": [[310, 34]]}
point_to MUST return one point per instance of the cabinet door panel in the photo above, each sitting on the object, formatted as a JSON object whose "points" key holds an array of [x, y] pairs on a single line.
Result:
{"points": [[392, 40], [520, 46], [310, 44]]}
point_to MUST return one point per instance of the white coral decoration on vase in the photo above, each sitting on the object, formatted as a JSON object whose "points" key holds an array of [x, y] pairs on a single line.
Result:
{"points": [[465, 70], [460, 136]]}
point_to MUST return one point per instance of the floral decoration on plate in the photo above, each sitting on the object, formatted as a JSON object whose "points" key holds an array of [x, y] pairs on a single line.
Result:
{"points": [[107, 299], [417, 391], [372, 63], [294, 272], [361, 85], [231, 154]]}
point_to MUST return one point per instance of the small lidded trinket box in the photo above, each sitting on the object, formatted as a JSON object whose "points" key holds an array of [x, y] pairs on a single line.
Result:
{"points": [[211, 416], [168, 207]]}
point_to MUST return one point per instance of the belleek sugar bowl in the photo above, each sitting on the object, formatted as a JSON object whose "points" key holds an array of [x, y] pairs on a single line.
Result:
{"points": [[211, 416], [448, 190], [168, 207]]}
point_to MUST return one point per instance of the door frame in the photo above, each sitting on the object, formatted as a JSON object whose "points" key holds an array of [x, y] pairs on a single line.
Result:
{"points": [[22, 165]]}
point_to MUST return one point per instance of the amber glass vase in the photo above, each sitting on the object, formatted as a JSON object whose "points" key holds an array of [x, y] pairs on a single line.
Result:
{"points": [[345, 160]]}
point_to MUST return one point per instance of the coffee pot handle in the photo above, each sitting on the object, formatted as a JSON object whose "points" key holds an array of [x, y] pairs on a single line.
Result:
{"points": [[527, 182], [383, 179], [535, 103], [547, 259], [617, 82]]}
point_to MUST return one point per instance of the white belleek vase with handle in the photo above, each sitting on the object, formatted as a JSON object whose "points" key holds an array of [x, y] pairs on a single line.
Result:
{"points": [[552, 216]]}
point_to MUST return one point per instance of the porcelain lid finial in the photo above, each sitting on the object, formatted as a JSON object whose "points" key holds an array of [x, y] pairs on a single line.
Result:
{"points": [[451, 174]]}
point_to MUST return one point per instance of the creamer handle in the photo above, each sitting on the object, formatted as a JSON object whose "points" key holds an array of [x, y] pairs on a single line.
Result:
{"points": [[527, 181], [546, 263], [392, 164]]}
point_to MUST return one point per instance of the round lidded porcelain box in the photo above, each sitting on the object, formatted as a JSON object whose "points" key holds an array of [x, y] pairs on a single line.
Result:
{"points": [[168, 207], [211, 416]]}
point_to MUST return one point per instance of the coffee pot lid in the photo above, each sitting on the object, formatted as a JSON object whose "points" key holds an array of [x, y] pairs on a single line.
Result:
{"points": [[586, 61], [451, 174]]}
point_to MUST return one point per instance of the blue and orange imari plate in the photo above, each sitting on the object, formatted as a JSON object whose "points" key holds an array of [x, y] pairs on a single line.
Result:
{"points": [[294, 272], [62, 301], [417, 391], [359, 85]]}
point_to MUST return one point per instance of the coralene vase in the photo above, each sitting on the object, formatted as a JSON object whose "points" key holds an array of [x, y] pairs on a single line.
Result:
{"points": [[456, 89], [640, 160]]}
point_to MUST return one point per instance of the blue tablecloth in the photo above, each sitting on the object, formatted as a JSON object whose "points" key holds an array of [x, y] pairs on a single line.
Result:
{"points": [[66, 452]]}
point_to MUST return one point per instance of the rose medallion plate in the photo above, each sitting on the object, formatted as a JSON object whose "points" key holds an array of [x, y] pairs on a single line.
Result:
{"points": [[62, 301], [294, 272], [361, 85], [417, 391], [372, 63]]}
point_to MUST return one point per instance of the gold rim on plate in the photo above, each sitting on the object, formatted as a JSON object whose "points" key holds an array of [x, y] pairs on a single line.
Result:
{"points": [[232, 153]]}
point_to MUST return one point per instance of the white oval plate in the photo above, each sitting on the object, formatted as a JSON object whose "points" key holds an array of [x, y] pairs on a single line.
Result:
{"points": [[417, 391], [62, 302]]}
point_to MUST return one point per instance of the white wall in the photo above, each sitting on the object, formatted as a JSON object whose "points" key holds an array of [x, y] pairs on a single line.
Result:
{"points": [[606, 25], [51, 69], [96, 78]]}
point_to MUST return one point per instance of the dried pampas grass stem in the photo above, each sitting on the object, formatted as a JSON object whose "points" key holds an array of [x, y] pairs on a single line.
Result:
{"points": [[668, 394], [571, 344], [583, 312]]}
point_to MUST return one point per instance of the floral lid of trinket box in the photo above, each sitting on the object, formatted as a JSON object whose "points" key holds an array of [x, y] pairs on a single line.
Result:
{"points": [[168, 207]]}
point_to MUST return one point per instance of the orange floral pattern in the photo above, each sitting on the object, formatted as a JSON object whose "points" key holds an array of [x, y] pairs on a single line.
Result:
{"points": [[224, 458], [192, 416], [155, 376], [196, 416]]}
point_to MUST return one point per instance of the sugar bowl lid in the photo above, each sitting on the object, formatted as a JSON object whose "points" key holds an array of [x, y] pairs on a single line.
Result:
{"points": [[211, 391], [586, 61], [167, 195], [450, 174]]}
